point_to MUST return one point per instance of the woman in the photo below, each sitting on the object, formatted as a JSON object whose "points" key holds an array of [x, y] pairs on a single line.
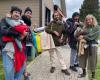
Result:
{"points": [[90, 33], [13, 31]]}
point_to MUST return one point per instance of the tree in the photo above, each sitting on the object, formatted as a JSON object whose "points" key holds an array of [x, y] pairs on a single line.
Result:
{"points": [[90, 7]]}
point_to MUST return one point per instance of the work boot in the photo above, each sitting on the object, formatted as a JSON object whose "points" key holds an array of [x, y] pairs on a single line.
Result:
{"points": [[76, 65], [73, 68], [52, 69], [93, 75], [83, 74], [65, 71]]}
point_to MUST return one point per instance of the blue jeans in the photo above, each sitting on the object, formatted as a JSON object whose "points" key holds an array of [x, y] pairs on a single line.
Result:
{"points": [[73, 57], [26, 78], [9, 68]]}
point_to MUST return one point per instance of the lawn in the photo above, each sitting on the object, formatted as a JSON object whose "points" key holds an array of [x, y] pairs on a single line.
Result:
{"points": [[98, 66], [1, 70], [98, 69]]}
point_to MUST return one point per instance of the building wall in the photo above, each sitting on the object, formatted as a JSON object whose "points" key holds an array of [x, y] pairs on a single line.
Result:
{"points": [[49, 5], [5, 6], [37, 6], [63, 7]]}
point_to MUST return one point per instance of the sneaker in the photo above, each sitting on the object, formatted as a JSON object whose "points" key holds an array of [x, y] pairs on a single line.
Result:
{"points": [[73, 68], [76, 65], [26, 76], [52, 69], [81, 75], [65, 71]]}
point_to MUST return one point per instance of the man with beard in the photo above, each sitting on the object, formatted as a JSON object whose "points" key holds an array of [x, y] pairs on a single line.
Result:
{"points": [[73, 23], [56, 29]]}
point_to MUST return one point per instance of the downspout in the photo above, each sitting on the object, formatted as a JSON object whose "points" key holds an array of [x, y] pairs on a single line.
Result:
{"points": [[40, 13], [63, 7]]}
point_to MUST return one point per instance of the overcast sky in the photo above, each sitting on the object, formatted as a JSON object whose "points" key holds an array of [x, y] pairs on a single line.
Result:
{"points": [[73, 6]]}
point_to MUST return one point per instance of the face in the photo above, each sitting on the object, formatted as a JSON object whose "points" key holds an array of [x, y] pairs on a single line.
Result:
{"points": [[57, 16], [89, 21], [76, 18], [15, 15], [28, 14]]}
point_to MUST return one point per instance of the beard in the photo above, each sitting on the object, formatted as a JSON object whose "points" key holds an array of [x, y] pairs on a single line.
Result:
{"points": [[58, 21]]}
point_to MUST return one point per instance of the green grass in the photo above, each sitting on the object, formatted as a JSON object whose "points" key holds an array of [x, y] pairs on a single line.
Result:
{"points": [[2, 77], [98, 69], [99, 45], [1, 70]]}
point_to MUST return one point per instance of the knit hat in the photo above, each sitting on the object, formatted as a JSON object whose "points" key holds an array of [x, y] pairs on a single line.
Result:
{"points": [[28, 9], [15, 8], [75, 14]]}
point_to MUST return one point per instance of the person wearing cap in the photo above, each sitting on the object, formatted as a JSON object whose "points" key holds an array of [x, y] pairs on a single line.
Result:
{"points": [[26, 17], [13, 31], [72, 26], [27, 20]]}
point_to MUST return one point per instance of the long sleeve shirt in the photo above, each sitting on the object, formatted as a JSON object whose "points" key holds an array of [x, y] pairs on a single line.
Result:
{"points": [[59, 27]]}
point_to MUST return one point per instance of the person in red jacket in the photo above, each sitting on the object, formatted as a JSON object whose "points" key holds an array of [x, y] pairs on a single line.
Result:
{"points": [[13, 31]]}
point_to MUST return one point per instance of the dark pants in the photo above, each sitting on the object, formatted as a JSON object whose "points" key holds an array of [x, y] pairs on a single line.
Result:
{"points": [[92, 59], [28, 51]]}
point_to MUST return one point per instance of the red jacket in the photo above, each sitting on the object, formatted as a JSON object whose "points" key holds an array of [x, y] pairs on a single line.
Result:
{"points": [[20, 28], [19, 56]]}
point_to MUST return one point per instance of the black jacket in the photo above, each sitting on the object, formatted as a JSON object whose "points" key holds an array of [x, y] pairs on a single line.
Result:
{"points": [[70, 33], [6, 31], [26, 20]]}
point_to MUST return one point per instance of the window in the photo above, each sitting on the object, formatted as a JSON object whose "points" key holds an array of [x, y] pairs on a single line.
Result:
{"points": [[47, 16]]}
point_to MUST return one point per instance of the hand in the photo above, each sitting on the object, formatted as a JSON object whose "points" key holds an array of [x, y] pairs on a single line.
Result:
{"points": [[60, 40], [24, 35], [56, 33], [80, 37], [85, 30], [76, 23], [64, 19]]}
